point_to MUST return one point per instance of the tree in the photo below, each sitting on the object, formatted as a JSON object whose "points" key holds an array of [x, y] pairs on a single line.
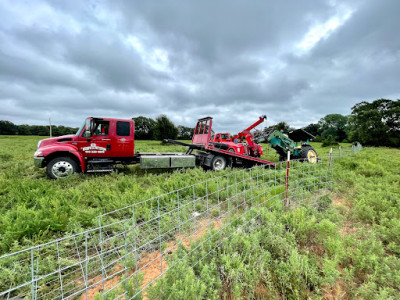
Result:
{"points": [[164, 128], [376, 123], [334, 125], [63, 130], [7, 127], [40, 130], [281, 126], [185, 133], [329, 141], [313, 129], [24, 129], [144, 128]]}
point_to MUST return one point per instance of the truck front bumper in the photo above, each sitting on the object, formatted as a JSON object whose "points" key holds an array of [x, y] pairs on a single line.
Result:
{"points": [[38, 161]]}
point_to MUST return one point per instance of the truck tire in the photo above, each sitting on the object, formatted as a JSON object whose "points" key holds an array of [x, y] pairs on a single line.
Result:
{"points": [[61, 167], [218, 163], [309, 154]]}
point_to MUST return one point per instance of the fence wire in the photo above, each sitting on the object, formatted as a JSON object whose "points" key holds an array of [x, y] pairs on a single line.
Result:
{"points": [[126, 252]]}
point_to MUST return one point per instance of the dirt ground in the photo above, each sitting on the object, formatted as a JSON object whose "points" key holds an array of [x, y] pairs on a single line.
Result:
{"points": [[153, 262], [338, 289]]}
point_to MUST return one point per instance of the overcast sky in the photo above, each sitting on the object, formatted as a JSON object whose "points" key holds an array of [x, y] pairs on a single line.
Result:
{"points": [[294, 61]]}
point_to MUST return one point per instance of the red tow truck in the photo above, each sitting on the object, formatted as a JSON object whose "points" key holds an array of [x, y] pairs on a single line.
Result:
{"points": [[243, 142], [102, 143]]}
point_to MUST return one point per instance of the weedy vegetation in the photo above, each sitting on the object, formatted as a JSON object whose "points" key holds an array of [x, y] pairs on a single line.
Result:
{"points": [[342, 246]]}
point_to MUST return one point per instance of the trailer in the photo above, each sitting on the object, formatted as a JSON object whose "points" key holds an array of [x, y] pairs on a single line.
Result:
{"points": [[102, 143]]}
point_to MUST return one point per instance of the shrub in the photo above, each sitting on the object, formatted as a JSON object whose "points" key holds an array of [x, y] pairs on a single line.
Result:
{"points": [[329, 141]]}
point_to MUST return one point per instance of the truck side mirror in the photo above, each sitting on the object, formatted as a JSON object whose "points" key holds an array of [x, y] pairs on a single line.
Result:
{"points": [[88, 132]]}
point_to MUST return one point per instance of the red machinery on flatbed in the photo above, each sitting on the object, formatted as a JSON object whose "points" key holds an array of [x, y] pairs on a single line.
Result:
{"points": [[101, 143], [243, 142], [219, 155]]}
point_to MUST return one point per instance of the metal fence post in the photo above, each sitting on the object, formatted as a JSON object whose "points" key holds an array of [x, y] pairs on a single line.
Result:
{"points": [[135, 245], [101, 254], [59, 270], [251, 188], [227, 194], [179, 215], [330, 158], [125, 260], [287, 178], [33, 289], [86, 265], [275, 180], [159, 231], [219, 204]]}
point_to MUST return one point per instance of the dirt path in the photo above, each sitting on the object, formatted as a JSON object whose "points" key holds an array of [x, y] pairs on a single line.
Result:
{"points": [[338, 289], [153, 262]]}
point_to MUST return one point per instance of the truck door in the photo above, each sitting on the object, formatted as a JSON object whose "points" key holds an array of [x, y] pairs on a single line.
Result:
{"points": [[124, 138], [99, 144]]}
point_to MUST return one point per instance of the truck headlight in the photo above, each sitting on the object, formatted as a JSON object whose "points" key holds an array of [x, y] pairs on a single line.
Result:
{"points": [[38, 153]]}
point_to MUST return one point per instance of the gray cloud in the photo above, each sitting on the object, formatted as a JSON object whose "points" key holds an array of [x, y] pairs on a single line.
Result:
{"points": [[228, 59]]}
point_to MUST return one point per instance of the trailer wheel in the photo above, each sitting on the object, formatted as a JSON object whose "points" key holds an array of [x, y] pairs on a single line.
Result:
{"points": [[61, 167], [232, 150], [308, 153], [218, 163]]}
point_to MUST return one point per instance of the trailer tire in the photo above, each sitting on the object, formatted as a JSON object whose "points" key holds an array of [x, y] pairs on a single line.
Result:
{"points": [[61, 167], [231, 150], [218, 163], [309, 154]]}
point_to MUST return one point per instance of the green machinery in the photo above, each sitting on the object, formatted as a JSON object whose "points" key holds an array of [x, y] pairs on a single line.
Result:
{"points": [[282, 144]]}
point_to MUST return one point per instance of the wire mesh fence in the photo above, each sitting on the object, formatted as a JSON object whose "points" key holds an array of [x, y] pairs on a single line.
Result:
{"points": [[126, 252]]}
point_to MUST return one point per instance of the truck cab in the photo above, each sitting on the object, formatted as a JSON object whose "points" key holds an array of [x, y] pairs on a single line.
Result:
{"points": [[97, 146], [222, 138]]}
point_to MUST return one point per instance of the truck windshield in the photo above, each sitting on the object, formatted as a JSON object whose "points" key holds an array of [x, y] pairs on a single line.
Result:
{"points": [[78, 133]]}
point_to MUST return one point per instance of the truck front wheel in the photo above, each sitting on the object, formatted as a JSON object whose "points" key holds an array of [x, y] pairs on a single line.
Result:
{"points": [[61, 167]]}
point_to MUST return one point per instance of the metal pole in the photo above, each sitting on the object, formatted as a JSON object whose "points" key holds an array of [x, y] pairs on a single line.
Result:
{"points": [[125, 260], [207, 195], [159, 231], [179, 215], [287, 177], [244, 188], [33, 289], [51, 134], [219, 205], [101, 254], [227, 194], [275, 180], [86, 265], [251, 188], [135, 245], [59, 270]]}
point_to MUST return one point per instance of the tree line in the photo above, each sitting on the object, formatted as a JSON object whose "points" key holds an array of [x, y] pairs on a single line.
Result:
{"points": [[160, 128], [9, 128], [375, 124]]}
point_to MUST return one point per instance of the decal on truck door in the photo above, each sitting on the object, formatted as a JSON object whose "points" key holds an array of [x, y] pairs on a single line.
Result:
{"points": [[93, 148]]}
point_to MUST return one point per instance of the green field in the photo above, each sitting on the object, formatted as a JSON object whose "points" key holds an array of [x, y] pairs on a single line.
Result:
{"points": [[34, 209], [344, 246]]}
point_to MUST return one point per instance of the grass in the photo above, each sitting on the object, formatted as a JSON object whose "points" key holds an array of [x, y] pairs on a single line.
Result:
{"points": [[344, 246], [34, 209]]}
